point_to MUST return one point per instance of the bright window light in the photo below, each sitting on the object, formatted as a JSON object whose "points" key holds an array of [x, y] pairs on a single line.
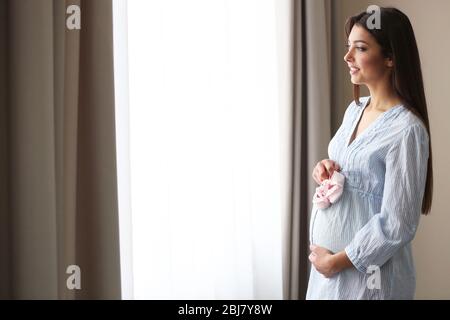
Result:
{"points": [[204, 149]]}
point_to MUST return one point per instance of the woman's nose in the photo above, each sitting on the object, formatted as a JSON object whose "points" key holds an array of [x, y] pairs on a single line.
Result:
{"points": [[348, 57]]}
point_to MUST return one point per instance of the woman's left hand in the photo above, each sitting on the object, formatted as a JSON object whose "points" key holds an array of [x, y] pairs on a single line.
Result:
{"points": [[323, 261]]}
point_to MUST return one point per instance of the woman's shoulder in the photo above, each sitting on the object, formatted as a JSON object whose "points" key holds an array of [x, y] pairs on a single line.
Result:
{"points": [[411, 121], [409, 126]]}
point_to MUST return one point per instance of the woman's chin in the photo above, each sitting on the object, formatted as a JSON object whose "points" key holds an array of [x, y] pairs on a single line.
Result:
{"points": [[355, 80], [355, 77]]}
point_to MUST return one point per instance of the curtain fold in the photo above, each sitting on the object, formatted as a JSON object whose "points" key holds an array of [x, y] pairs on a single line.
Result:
{"points": [[311, 131], [58, 159]]}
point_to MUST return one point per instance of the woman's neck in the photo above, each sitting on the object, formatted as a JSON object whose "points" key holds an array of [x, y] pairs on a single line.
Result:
{"points": [[382, 97]]}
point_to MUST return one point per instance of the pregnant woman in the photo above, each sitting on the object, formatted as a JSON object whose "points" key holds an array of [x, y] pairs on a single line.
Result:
{"points": [[361, 243]]}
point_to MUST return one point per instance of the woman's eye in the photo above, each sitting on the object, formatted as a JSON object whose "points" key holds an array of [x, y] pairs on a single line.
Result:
{"points": [[362, 49]]}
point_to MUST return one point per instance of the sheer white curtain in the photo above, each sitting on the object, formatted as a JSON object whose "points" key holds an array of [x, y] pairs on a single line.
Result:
{"points": [[120, 33], [205, 110]]}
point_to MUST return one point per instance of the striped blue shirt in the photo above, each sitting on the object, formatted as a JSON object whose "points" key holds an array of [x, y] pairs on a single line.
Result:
{"points": [[377, 216]]}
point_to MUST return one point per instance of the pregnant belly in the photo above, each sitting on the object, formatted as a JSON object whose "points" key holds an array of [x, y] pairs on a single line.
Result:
{"points": [[334, 227]]}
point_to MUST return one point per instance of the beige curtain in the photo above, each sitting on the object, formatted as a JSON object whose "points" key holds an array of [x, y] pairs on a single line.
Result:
{"points": [[58, 195], [311, 130]]}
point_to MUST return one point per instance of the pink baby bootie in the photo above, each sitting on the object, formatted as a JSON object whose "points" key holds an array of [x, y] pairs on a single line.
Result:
{"points": [[329, 190]]}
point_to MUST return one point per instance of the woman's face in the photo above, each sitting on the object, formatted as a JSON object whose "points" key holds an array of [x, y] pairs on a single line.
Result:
{"points": [[365, 59]]}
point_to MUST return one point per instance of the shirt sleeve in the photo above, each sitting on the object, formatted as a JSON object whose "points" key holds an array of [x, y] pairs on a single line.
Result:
{"points": [[396, 223]]}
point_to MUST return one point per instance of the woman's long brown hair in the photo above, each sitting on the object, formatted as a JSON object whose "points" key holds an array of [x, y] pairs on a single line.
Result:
{"points": [[397, 40]]}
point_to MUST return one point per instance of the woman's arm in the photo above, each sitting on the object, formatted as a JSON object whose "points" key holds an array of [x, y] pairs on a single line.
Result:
{"points": [[328, 263], [396, 223]]}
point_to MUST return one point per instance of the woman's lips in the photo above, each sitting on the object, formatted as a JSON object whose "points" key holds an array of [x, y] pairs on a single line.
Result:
{"points": [[353, 70]]}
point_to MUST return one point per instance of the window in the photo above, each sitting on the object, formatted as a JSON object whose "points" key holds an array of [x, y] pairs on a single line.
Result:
{"points": [[204, 149]]}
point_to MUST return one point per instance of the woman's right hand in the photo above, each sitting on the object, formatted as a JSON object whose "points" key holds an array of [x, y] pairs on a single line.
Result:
{"points": [[324, 170]]}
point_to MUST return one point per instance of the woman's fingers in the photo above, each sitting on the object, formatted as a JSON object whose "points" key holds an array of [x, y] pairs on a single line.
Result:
{"points": [[324, 170], [319, 173], [330, 167]]}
